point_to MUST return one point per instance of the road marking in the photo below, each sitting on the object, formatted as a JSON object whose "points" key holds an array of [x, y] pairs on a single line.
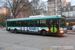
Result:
{"points": [[48, 49], [10, 46]]}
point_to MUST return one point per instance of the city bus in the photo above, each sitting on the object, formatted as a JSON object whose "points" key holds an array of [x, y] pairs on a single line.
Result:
{"points": [[45, 25]]}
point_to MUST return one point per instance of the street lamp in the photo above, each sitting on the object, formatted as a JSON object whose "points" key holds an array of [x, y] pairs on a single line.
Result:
{"points": [[4, 11], [61, 7]]}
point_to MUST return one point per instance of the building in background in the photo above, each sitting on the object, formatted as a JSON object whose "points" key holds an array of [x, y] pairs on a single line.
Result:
{"points": [[69, 12], [61, 7], [55, 6], [25, 11]]}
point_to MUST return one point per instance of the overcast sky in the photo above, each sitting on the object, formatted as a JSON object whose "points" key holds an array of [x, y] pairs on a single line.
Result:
{"points": [[72, 2], [68, 0], [47, 0], [41, 0]]}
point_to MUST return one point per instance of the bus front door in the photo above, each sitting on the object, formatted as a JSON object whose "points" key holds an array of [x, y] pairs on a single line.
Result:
{"points": [[54, 26]]}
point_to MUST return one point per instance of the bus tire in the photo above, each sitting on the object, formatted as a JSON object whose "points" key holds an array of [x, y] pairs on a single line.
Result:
{"points": [[44, 33], [15, 31], [9, 29]]}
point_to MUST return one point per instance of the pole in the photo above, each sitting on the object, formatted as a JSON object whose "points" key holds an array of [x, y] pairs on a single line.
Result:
{"points": [[61, 7], [68, 16], [5, 12], [56, 7]]}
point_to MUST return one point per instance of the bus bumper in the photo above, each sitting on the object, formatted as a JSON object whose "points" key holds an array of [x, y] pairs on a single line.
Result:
{"points": [[49, 33]]}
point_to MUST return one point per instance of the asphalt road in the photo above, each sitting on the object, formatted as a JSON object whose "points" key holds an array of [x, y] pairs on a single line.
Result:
{"points": [[20, 41]]}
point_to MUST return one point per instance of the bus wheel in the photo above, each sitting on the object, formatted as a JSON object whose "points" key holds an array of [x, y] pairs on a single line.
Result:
{"points": [[9, 29], [44, 33], [15, 31]]}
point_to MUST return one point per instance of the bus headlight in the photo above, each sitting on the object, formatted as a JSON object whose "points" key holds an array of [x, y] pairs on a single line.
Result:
{"points": [[61, 31], [47, 29]]}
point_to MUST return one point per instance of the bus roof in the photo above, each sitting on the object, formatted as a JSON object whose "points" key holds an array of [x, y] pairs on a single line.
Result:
{"points": [[46, 17]]}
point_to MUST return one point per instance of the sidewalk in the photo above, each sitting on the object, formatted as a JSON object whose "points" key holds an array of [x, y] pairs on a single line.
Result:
{"points": [[70, 32]]}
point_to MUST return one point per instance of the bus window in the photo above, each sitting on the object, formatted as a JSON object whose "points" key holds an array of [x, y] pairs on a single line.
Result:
{"points": [[51, 22], [11, 24], [55, 22], [37, 23], [24, 23], [43, 23], [34, 23], [8, 23], [17, 23], [62, 23]]}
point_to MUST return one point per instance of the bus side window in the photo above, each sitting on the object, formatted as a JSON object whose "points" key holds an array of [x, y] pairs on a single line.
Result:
{"points": [[37, 22], [62, 23], [19, 23], [43, 23], [15, 23], [11, 24], [34, 23], [24, 23], [8, 23]]}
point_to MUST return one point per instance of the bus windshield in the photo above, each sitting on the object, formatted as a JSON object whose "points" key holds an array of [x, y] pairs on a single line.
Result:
{"points": [[62, 23]]}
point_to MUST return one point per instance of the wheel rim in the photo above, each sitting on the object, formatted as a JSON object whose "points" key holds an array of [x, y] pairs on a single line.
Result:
{"points": [[9, 29], [15, 31], [43, 33]]}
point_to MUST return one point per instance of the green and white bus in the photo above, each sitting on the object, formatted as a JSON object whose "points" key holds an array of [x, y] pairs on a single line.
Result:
{"points": [[50, 25]]}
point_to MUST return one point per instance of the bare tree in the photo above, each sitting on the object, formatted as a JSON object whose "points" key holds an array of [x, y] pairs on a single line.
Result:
{"points": [[16, 6], [2, 19], [38, 7], [42, 7]]}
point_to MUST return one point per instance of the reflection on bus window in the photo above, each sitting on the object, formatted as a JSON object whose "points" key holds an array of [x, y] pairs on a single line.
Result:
{"points": [[24, 23], [43, 23], [62, 23], [34, 23], [55, 22]]}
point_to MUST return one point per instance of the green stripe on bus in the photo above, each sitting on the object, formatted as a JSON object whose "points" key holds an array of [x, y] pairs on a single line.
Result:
{"points": [[44, 27], [34, 18], [14, 27]]}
